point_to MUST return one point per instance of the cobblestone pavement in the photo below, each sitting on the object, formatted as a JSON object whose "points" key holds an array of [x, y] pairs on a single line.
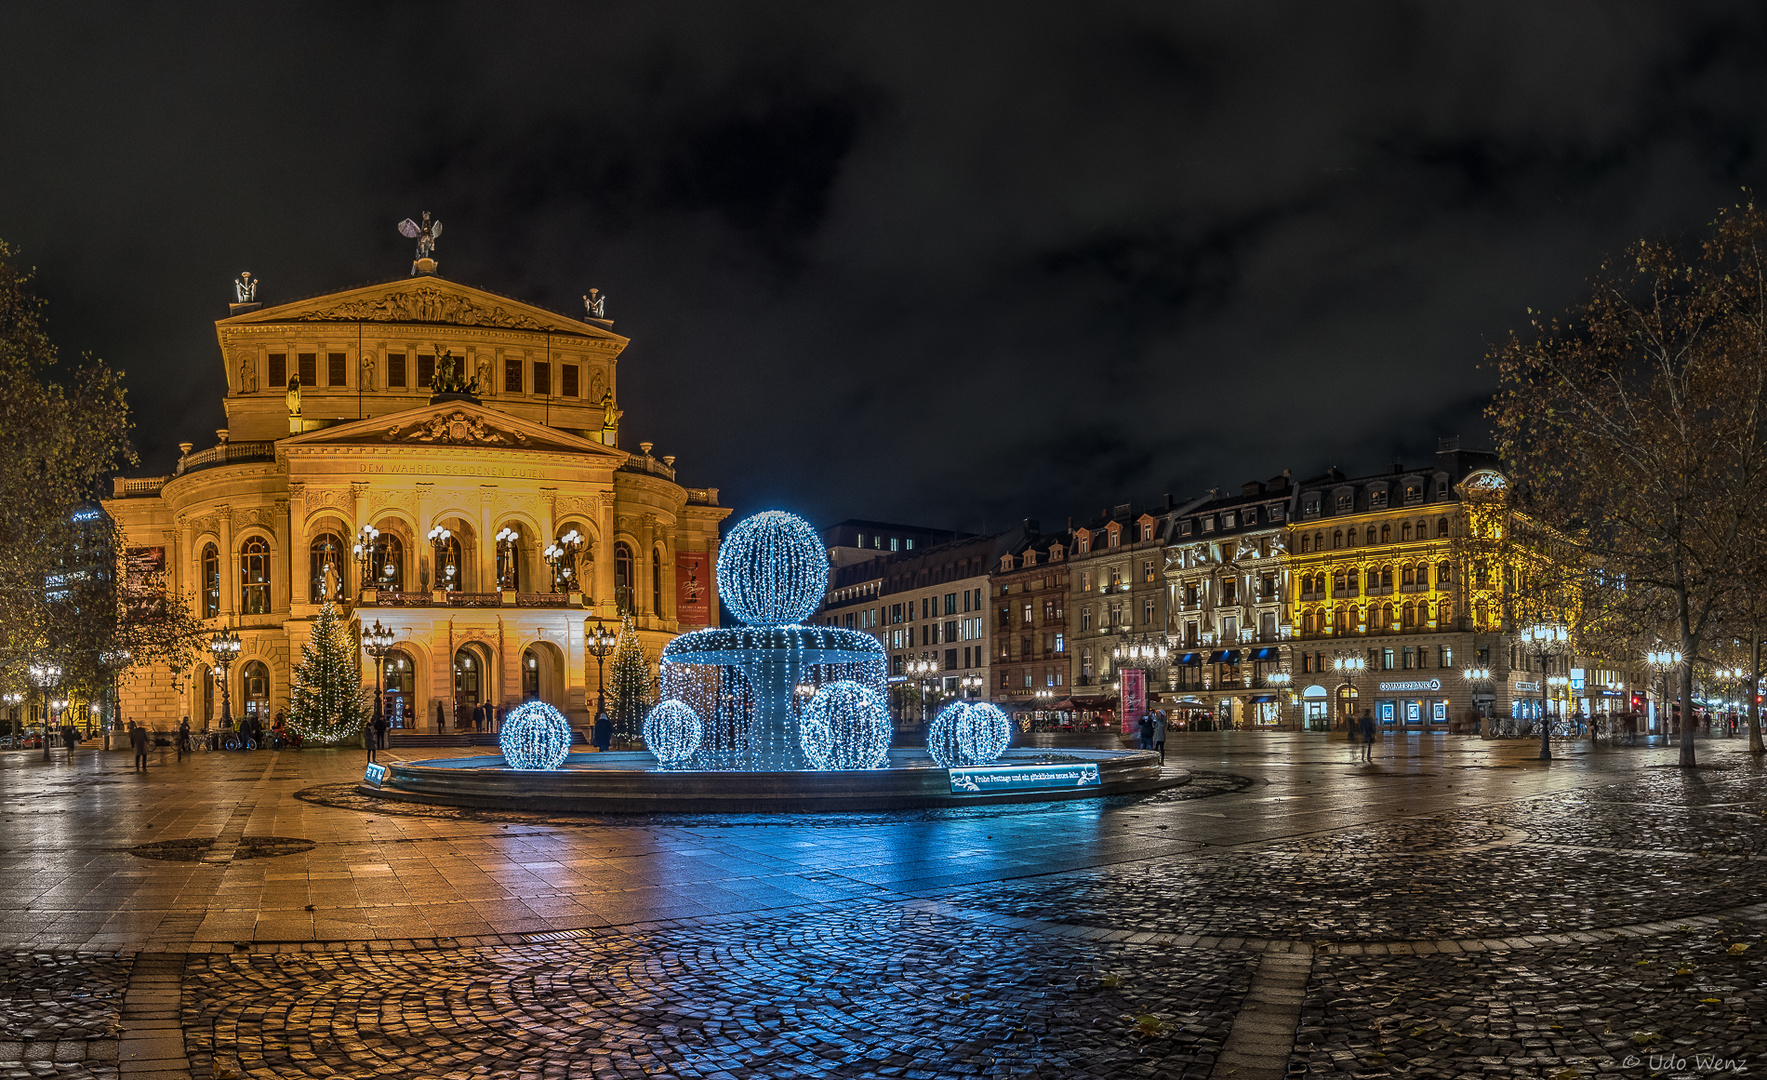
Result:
{"points": [[1454, 909]]}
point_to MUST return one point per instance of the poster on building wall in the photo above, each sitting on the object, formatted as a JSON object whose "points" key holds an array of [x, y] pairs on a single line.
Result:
{"points": [[693, 588], [144, 582], [1134, 683]]}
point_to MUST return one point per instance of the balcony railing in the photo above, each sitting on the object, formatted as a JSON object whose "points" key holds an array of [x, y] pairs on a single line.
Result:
{"points": [[225, 453], [389, 598]]}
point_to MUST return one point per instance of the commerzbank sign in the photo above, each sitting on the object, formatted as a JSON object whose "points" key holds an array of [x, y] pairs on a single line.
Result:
{"points": [[1414, 686]]}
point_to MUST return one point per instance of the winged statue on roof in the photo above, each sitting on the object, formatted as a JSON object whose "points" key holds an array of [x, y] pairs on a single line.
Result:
{"points": [[425, 234]]}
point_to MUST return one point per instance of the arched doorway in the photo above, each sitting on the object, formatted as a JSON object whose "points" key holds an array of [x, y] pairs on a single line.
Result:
{"points": [[1346, 706], [472, 684], [400, 679], [254, 690], [543, 674], [530, 676]]}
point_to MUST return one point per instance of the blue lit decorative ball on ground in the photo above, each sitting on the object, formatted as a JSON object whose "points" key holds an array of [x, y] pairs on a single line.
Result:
{"points": [[845, 726], [535, 736], [772, 569], [968, 733], [673, 732]]}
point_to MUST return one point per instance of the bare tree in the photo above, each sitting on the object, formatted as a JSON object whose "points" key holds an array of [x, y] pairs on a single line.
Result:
{"points": [[1638, 424]]}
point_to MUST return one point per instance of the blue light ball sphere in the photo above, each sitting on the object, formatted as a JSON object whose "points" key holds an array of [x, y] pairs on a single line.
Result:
{"points": [[535, 736], [772, 569], [846, 725], [968, 733], [673, 732]]}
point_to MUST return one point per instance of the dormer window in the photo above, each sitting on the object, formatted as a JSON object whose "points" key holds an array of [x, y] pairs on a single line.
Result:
{"points": [[1413, 491], [1030, 558], [1228, 519], [1377, 499], [1346, 502], [1115, 535], [1311, 507], [1085, 542], [1208, 524], [1184, 528], [1055, 552], [1274, 512]]}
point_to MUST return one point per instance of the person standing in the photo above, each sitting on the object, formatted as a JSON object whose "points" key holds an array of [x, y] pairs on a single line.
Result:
{"points": [[604, 731], [368, 739], [1145, 727], [183, 737], [1367, 724], [138, 740], [380, 726], [1159, 735]]}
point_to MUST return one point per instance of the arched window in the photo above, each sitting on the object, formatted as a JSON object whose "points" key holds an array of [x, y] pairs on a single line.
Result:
{"points": [[1337, 582], [1337, 538], [1441, 526], [656, 582], [254, 577], [1386, 616], [386, 564], [1408, 577], [1371, 534], [1386, 577], [1423, 529], [1410, 614], [254, 686], [530, 675], [1352, 537], [624, 599], [1307, 624], [1386, 534], [325, 568], [1405, 531], [1306, 542], [211, 582], [1444, 573], [1342, 620], [1319, 541]]}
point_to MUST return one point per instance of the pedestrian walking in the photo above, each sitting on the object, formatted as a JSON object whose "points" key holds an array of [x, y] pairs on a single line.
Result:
{"points": [[1159, 735], [1367, 725], [183, 737], [1145, 726], [138, 740], [380, 728], [604, 732]]}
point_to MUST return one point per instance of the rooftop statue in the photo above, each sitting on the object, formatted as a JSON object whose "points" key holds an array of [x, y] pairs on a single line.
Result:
{"points": [[425, 235], [595, 305], [245, 288]]}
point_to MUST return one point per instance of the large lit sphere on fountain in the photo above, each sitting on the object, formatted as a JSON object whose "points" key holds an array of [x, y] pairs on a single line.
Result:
{"points": [[673, 732], [846, 725], [772, 569], [535, 736], [968, 733]]}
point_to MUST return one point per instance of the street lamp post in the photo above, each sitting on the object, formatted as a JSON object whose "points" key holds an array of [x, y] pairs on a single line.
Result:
{"points": [[225, 647], [561, 556], [1545, 641], [1348, 667], [971, 684], [377, 640], [114, 662], [921, 669], [1663, 661], [600, 643], [438, 538], [44, 676], [506, 572], [1479, 675], [366, 542]]}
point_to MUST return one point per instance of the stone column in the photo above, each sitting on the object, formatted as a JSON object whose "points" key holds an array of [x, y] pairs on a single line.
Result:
{"points": [[487, 547], [542, 574], [604, 559], [647, 532], [425, 554], [712, 581], [230, 579], [282, 591]]}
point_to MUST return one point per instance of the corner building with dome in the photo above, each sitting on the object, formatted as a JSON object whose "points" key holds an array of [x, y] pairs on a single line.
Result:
{"points": [[436, 458]]}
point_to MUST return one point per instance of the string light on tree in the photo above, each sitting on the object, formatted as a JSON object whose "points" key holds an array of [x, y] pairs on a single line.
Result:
{"points": [[968, 733], [631, 683], [673, 732], [329, 703], [846, 725], [535, 736]]}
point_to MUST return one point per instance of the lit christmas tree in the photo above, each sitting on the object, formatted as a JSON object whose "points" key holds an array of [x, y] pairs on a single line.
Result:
{"points": [[631, 684], [330, 703]]}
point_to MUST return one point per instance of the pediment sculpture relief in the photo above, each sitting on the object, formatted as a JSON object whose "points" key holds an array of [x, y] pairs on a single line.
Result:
{"points": [[456, 429], [424, 304]]}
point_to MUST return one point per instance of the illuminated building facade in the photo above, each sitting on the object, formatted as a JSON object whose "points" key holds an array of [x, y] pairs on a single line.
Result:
{"points": [[440, 459], [1116, 595], [1032, 662], [1379, 572]]}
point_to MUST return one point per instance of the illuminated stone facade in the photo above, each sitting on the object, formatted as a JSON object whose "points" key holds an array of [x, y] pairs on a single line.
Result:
{"points": [[261, 528]]}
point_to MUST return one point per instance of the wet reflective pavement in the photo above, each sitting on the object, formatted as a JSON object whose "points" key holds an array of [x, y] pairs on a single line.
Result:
{"points": [[1454, 909]]}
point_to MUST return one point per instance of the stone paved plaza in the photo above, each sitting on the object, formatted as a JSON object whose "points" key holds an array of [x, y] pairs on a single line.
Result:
{"points": [[1454, 909]]}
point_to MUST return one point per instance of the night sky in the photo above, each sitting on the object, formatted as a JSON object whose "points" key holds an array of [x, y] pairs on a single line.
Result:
{"points": [[949, 264]]}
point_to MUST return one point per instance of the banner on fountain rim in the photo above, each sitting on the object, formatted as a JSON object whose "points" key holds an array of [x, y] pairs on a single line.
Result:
{"points": [[1134, 701], [990, 779], [693, 589]]}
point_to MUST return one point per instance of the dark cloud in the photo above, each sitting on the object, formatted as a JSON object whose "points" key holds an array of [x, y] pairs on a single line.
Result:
{"points": [[950, 264]]}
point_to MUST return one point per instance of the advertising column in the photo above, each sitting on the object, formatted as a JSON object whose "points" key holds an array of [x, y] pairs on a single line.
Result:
{"points": [[1134, 701]]}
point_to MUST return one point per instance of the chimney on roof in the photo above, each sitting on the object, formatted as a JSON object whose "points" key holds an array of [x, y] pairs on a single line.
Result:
{"points": [[1398, 466], [1168, 500], [1031, 527], [1251, 487], [1070, 524]]}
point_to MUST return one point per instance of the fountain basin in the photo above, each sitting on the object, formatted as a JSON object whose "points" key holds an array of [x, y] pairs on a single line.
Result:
{"points": [[632, 783]]}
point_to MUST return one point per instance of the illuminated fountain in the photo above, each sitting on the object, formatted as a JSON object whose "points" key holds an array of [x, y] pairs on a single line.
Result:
{"points": [[771, 714], [743, 683]]}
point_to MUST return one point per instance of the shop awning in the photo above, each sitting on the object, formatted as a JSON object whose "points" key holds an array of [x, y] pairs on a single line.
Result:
{"points": [[1259, 699], [1189, 658], [1224, 656], [1263, 654]]}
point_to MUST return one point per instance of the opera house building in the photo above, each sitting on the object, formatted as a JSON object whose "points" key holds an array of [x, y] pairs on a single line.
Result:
{"points": [[441, 460]]}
